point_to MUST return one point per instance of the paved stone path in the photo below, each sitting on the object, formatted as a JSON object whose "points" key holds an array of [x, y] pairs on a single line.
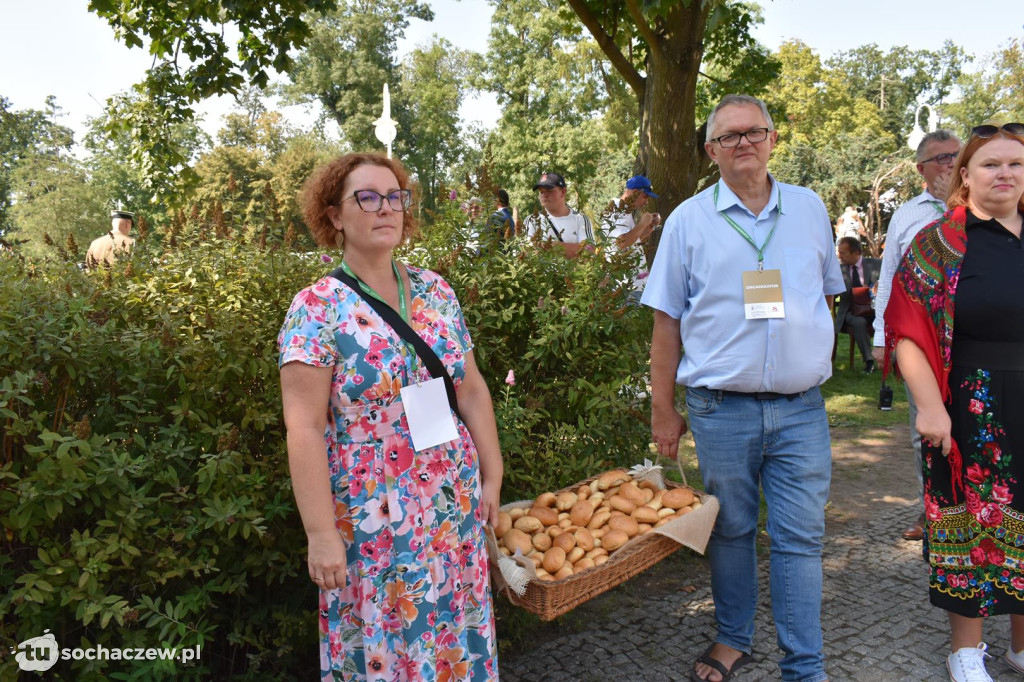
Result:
{"points": [[876, 617]]}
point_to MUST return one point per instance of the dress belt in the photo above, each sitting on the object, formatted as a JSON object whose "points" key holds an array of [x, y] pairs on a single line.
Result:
{"points": [[762, 395], [994, 355]]}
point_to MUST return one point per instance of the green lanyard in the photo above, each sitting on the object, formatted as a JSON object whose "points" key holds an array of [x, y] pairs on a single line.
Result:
{"points": [[938, 207], [403, 310], [743, 233]]}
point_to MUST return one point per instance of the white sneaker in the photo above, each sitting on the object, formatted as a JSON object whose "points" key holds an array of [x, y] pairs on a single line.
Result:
{"points": [[968, 664], [1015, 659]]}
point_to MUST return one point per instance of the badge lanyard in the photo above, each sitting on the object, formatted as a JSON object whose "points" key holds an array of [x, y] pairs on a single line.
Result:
{"points": [[403, 309], [743, 233], [938, 207]]}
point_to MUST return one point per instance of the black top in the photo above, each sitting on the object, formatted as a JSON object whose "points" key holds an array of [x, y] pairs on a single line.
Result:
{"points": [[990, 295]]}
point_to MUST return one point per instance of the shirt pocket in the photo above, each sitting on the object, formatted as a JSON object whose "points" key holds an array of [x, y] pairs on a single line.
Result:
{"points": [[803, 271]]}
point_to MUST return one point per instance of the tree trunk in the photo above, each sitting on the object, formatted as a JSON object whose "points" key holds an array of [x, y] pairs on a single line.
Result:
{"points": [[671, 149]]}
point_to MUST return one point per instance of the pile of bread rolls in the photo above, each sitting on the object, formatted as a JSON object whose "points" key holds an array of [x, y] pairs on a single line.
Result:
{"points": [[569, 532]]}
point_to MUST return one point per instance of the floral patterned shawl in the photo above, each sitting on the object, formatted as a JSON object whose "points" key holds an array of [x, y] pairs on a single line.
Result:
{"points": [[921, 305]]}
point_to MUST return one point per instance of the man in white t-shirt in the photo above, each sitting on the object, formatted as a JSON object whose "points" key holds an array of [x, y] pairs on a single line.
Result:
{"points": [[625, 233], [936, 156], [556, 222]]}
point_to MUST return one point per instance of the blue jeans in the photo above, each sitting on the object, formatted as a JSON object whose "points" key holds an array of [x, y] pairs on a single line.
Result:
{"points": [[784, 446]]}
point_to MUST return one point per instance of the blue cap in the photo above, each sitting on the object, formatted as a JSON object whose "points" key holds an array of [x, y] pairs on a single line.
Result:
{"points": [[641, 183]]}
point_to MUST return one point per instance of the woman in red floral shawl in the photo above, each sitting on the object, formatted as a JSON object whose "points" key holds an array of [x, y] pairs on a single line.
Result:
{"points": [[955, 326]]}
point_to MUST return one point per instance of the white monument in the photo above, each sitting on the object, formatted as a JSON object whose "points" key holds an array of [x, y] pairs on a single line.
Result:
{"points": [[386, 128]]}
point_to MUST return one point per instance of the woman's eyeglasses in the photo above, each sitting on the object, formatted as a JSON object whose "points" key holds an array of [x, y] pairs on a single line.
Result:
{"points": [[988, 130], [371, 202]]}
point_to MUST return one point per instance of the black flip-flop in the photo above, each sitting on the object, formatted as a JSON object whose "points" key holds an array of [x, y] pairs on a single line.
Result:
{"points": [[726, 673]]}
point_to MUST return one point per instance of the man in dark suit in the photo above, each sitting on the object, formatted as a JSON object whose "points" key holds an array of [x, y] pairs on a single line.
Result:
{"points": [[857, 272]]}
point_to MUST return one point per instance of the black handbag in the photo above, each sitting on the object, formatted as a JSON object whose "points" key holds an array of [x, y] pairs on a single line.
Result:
{"points": [[395, 321]]}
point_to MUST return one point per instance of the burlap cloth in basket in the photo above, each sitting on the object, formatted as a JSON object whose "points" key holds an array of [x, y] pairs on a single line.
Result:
{"points": [[690, 530]]}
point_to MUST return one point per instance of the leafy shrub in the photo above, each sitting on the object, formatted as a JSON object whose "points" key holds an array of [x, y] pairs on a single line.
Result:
{"points": [[578, 351], [144, 491]]}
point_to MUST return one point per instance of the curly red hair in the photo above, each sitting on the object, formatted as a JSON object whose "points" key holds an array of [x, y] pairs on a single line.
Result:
{"points": [[323, 188]]}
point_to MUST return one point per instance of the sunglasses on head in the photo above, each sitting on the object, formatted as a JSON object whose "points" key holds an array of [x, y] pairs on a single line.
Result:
{"points": [[988, 130]]}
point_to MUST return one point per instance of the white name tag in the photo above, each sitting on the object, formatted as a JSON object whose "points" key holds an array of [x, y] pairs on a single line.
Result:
{"points": [[429, 416], [762, 294]]}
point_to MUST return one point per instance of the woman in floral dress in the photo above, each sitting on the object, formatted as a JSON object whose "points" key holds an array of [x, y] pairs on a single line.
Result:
{"points": [[956, 325], [396, 536]]}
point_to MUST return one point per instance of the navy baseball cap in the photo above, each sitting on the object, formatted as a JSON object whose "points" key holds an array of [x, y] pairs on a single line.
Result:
{"points": [[641, 183], [550, 181]]}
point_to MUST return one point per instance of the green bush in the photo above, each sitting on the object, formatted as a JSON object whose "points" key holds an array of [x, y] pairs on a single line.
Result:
{"points": [[578, 351], [144, 491]]}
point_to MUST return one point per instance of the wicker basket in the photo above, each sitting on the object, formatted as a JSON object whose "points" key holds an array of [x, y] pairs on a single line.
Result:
{"points": [[550, 599]]}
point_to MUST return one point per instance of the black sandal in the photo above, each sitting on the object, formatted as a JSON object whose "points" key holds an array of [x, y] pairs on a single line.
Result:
{"points": [[726, 673]]}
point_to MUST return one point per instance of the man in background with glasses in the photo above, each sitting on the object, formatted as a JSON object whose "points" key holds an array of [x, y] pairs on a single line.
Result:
{"points": [[935, 157], [743, 279]]}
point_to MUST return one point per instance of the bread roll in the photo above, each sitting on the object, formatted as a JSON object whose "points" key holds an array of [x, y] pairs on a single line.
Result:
{"points": [[528, 524], [632, 493], [596, 499], [677, 498], [574, 555], [547, 515], [584, 539], [564, 523], [545, 500], [612, 540], [599, 518], [645, 514], [603, 559], [536, 559], [565, 541], [582, 565], [554, 559], [663, 521], [647, 485], [555, 531], [583, 492], [623, 504], [581, 512], [504, 524], [504, 550], [517, 540], [546, 576], [565, 501], [517, 513], [627, 524], [596, 552], [541, 542], [666, 511], [646, 528], [564, 572], [684, 510], [612, 478]]}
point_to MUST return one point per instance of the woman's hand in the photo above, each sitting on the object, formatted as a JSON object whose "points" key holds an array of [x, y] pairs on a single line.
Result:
{"points": [[935, 428], [327, 560], [490, 501]]}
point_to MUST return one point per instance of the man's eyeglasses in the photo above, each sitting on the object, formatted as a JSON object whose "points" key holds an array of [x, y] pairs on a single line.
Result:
{"points": [[943, 159], [989, 130], [754, 135], [371, 202]]}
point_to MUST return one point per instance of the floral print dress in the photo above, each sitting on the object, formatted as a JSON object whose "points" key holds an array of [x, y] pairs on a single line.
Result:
{"points": [[417, 602], [976, 536]]}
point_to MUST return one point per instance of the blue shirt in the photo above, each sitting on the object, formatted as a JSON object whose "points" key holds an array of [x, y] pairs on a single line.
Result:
{"points": [[696, 278]]}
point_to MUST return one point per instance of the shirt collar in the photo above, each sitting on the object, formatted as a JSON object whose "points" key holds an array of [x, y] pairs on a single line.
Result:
{"points": [[727, 198], [929, 197]]}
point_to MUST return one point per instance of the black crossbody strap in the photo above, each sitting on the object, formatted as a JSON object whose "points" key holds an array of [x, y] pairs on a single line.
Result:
{"points": [[402, 328]]}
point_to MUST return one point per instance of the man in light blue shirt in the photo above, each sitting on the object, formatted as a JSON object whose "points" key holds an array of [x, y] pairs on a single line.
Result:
{"points": [[936, 155], [743, 280]]}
